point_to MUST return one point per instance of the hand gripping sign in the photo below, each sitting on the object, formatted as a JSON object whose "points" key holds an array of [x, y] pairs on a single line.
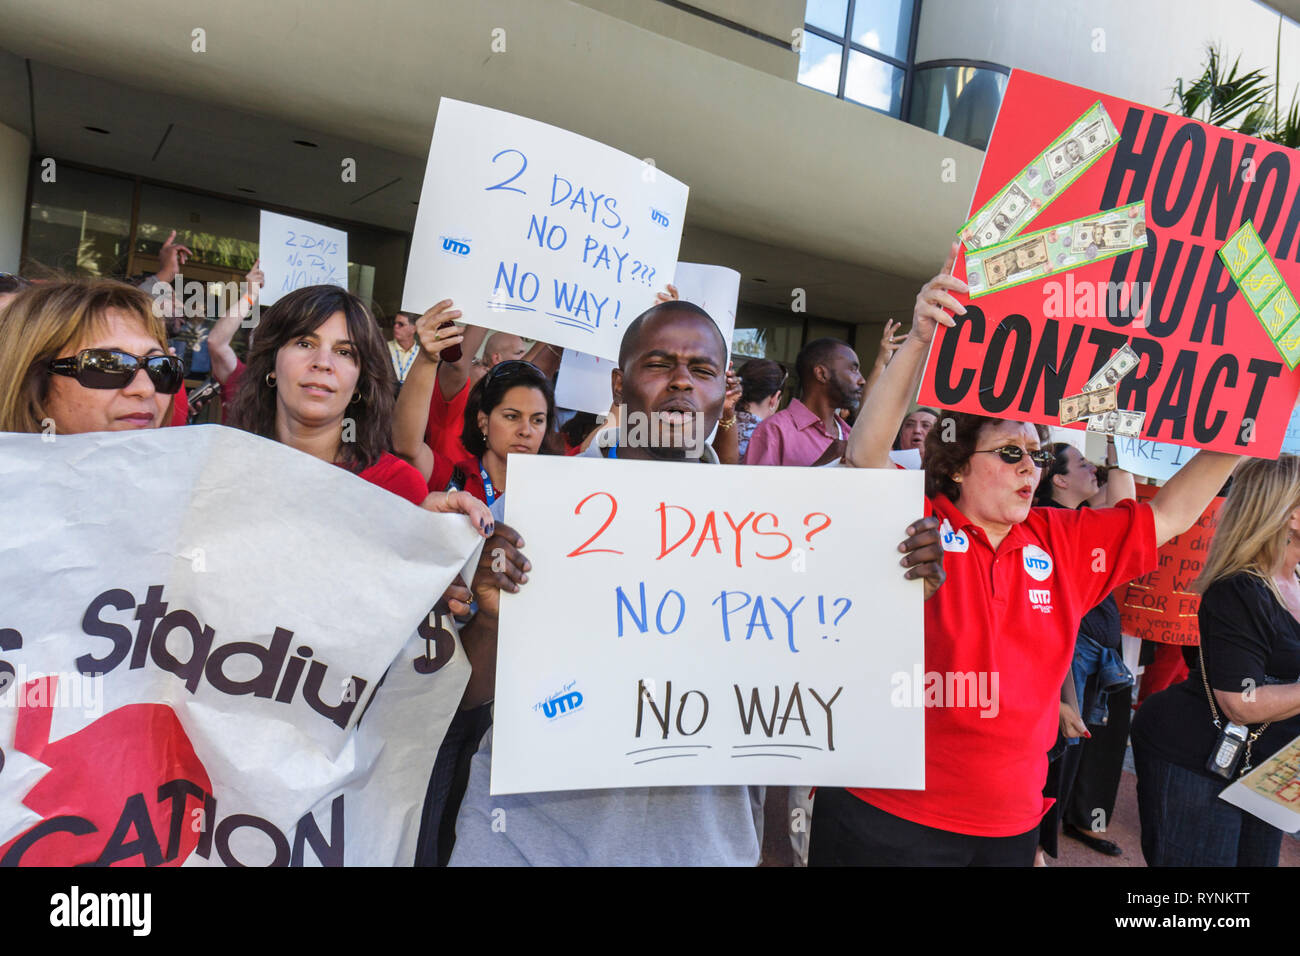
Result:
{"points": [[1098, 224], [200, 669]]}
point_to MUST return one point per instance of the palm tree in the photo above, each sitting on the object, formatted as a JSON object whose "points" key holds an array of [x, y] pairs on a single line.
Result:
{"points": [[1238, 101]]}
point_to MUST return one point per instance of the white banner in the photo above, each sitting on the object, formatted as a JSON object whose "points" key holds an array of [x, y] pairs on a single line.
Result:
{"points": [[681, 627], [296, 253], [532, 229], [261, 697], [583, 382]]}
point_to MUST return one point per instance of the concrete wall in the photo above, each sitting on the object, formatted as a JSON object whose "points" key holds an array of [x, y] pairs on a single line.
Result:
{"points": [[1145, 45], [15, 152], [774, 18]]}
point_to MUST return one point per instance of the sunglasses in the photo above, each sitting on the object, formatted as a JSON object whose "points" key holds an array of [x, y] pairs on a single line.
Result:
{"points": [[1013, 453], [113, 368], [507, 367]]}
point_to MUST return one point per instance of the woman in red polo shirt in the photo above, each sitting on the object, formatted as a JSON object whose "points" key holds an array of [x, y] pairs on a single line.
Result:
{"points": [[319, 379], [999, 633]]}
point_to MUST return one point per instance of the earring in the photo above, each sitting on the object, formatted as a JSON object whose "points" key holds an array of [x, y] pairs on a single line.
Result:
{"points": [[356, 397], [956, 478], [270, 380]]}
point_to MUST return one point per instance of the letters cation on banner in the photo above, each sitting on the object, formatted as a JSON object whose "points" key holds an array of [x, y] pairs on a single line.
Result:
{"points": [[1161, 606], [1210, 375], [700, 630]]}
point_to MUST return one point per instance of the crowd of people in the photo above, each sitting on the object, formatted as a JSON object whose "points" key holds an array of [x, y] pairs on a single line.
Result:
{"points": [[434, 410]]}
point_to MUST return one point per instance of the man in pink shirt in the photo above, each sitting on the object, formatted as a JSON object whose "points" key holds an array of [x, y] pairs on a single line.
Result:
{"points": [[803, 432]]}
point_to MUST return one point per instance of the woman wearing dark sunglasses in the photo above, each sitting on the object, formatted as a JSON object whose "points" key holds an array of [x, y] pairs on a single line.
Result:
{"points": [[84, 357], [999, 632]]}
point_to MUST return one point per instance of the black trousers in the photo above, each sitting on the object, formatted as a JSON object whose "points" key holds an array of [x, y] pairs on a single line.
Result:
{"points": [[1092, 798], [847, 831], [447, 785]]}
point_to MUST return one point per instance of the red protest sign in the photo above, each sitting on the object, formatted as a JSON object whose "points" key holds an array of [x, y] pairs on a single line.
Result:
{"points": [[1209, 374], [1160, 605]]}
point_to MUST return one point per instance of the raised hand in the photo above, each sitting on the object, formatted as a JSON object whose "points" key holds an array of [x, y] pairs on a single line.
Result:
{"points": [[669, 296], [428, 332], [171, 257], [936, 296]]}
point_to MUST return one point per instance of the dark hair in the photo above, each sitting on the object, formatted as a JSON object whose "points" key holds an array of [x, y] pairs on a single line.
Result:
{"points": [[815, 353], [760, 379], [632, 334], [489, 392], [943, 459], [919, 408], [300, 313], [12, 283], [1060, 465], [577, 428]]}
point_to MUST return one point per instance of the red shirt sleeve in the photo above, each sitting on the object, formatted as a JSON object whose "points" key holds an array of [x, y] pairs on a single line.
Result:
{"points": [[230, 387], [1105, 547], [446, 421], [393, 474], [764, 445]]}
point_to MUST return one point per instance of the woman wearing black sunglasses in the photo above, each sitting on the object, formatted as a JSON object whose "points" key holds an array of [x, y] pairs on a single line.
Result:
{"points": [[84, 357], [999, 632]]}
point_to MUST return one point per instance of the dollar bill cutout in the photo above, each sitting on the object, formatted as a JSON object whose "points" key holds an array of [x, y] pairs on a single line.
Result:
{"points": [[1059, 248], [1064, 160], [1122, 423], [1260, 283], [1078, 407], [1116, 367]]}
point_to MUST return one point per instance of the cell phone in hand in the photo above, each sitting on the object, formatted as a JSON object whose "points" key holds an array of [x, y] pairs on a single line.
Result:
{"points": [[451, 353]]}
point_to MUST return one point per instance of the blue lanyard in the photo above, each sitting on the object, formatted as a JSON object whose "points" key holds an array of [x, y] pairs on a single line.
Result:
{"points": [[613, 451], [488, 492]]}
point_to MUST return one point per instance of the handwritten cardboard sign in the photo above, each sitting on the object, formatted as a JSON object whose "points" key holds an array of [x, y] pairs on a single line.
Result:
{"points": [[1209, 376], [680, 627], [583, 382], [1151, 459], [1160, 606], [296, 253], [535, 230]]}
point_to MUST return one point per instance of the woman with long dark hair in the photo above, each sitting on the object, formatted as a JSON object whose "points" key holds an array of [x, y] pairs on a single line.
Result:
{"points": [[319, 380], [510, 411]]}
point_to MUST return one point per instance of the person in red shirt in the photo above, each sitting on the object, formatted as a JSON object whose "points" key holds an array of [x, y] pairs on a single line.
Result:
{"points": [[319, 379], [999, 633]]}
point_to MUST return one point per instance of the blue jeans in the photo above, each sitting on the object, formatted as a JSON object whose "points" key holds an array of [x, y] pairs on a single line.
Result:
{"points": [[1184, 823], [1112, 676]]}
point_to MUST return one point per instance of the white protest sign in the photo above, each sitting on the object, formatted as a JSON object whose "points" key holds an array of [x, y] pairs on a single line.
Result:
{"points": [[1152, 459], [681, 627], [1070, 436], [532, 229], [199, 670], [583, 380], [1291, 438], [296, 253], [906, 457]]}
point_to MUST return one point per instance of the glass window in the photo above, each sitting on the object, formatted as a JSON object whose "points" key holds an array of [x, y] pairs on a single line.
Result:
{"points": [[874, 83], [766, 334], [828, 15], [883, 25], [819, 64], [959, 102], [80, 224]]}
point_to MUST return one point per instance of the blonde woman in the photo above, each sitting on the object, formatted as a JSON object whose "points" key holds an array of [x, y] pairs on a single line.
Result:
{"points": [[1242, 690], [84, 357]]}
